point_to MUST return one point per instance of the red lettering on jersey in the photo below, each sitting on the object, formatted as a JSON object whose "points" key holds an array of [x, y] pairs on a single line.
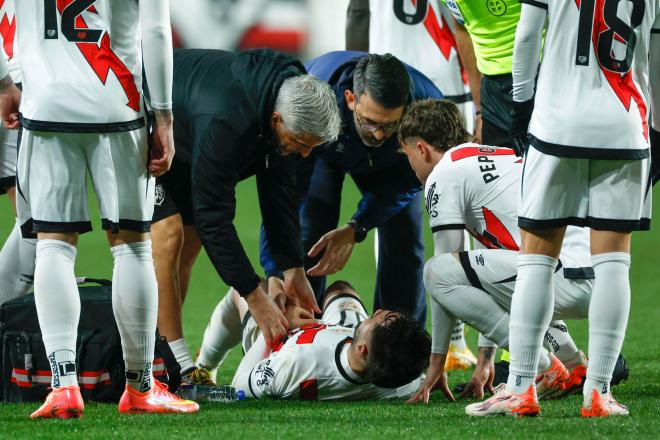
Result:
{"points": [[309, 390], [623, 85], [465, 152], [8, 31], [496, 235], [102, 60]]}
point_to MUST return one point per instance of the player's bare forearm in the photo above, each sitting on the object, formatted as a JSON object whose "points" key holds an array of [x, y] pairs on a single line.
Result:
{"points": [[486, 355], [469, 62], [357, 25], [5, 83]]}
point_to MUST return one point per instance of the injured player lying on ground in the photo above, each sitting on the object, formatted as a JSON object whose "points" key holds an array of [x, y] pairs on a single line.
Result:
{"points": [[347, 355]]}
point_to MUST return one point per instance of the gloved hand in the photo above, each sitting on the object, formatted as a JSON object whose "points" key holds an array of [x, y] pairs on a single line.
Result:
{"points": [[521, 113], [654, 137]]}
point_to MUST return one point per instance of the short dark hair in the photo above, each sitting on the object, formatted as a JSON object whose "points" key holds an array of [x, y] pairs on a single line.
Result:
{"points": [[399, 353], [384, 77], [438, 122]]}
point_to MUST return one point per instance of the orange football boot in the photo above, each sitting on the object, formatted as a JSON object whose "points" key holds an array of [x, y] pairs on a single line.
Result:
{"points": [[603, 406], [61, 403], [157, 400]]}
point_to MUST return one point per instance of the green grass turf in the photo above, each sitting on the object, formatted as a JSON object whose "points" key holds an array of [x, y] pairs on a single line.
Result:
{"points": [[272, 419]]}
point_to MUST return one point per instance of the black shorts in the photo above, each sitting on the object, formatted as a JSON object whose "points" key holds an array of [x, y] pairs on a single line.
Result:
{"points": [[173, 194], [496, 104]]}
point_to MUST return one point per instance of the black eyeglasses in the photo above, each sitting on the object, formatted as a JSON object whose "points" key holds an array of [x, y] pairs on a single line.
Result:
{"points": [[372, 127]]}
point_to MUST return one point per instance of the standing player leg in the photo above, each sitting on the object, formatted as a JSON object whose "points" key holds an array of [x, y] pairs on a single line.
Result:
{"points": [[59, 160], [400, 283], [17, 257], [319, 213], [126, 199], [614, 217]]}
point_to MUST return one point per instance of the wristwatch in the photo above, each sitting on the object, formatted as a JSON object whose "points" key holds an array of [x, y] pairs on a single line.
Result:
{"points": [[360, 231]]}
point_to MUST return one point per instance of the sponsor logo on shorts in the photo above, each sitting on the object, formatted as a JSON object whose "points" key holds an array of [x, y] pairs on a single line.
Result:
{"points": [[159, 196]]}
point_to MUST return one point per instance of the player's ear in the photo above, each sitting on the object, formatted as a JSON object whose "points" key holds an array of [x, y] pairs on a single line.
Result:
{"points": [[423, 150], [350, 99], [275, 118], [362, 350]]}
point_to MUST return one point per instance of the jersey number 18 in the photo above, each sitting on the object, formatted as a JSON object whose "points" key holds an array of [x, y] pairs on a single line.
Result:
{"points": [[609, 27]]}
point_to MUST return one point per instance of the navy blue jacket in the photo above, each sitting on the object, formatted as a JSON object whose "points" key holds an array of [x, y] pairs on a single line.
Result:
{"points": [[393, 182], [348, 153]]}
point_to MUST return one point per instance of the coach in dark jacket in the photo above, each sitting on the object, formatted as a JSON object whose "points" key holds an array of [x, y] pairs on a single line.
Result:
{"points": [[372, 92], [235, 116]]}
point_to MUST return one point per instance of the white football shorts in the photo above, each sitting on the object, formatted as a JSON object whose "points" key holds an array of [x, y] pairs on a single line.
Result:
{"points": [[494, 271], [609, 195], [52, 179], [8, 141]]}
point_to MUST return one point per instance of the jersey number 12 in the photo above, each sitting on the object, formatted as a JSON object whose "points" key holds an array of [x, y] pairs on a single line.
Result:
{"points": [[609, 27], [71, 10]]}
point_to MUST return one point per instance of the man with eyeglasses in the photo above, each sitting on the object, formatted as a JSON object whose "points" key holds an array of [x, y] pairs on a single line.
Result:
{"points": [[372, 93]]}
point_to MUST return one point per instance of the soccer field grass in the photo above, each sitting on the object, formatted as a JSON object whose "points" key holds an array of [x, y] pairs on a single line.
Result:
{"points": [[273, 419]]}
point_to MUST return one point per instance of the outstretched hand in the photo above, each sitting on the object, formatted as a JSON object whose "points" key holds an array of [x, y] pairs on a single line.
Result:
{"points": [[483, 376], [337, 246], [436, 378]]}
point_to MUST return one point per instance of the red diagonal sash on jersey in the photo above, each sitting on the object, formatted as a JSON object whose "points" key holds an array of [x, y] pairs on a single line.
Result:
{"points": [[496, 235], [102, 59], [442, 36], [623, 85], [465, 152], [7, 28]]}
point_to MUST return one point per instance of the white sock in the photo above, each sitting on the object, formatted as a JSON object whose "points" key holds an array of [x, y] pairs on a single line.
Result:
{"points": [[458, 336], [544, 362], [58, 308], [531, 311], [135, 305], [223, 332], [560, 343], [182, 354], [608, 317], [17, 260]]}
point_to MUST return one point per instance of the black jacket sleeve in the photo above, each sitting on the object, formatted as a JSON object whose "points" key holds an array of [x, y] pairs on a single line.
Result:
{"points": [[279, 199], [214, 179]]}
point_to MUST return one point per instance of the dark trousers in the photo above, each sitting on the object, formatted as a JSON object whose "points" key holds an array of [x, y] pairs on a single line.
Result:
{"points": [[399, 280]]}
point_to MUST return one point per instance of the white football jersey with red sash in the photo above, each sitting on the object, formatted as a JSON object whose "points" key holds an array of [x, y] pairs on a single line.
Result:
{"points": [[475, 187], [311, 363], [592, 94], [88, 51], [418, 32]]}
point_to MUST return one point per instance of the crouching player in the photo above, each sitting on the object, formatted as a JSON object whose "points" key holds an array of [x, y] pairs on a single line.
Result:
{"points": [[347, 355], [475, 187]]}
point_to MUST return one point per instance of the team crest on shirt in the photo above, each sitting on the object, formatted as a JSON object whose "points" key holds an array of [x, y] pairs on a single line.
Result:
{"points": [[159, 196], [432, 201], [264, 374]]}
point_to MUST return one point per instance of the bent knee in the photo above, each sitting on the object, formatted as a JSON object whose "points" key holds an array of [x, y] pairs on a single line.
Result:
{"points": [[167, 240], [441, 272]]}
